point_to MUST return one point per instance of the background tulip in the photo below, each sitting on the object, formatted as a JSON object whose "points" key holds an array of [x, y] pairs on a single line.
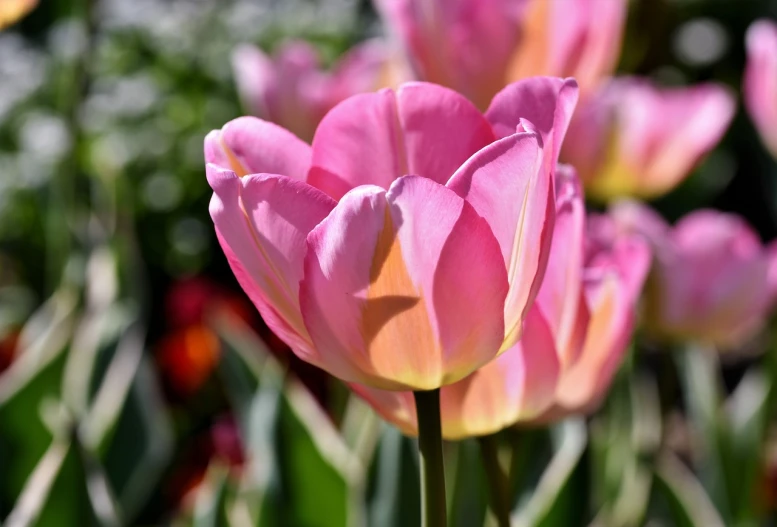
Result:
{"points": [[612, 284], [570, 38], [478, 46], [405, 282], [760, 80], [292, 89], [636, 139], [712, 280]]}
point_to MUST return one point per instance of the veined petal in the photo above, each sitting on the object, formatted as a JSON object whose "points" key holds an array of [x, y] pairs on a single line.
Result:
{"points": [[585, 383], [375, 138], [561, 293], [519, 385], [547, 102], [248, 145], [403, 290], [506, 184], [262, 222]]}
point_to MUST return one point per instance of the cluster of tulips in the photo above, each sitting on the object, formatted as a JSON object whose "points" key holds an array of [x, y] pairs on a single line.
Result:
{"points": [[413, 221]]}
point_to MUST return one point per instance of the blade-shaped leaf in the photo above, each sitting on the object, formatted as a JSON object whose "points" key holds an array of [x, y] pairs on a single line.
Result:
{"points": [[394, 494], [689, 504], [469, 502], [556, 499]]}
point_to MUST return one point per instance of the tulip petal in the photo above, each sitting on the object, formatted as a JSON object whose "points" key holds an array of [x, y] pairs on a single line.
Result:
{"points": [[262, 222], [403, 289], [421, 129], [561, 295], [547, 102], [585, 382], [507, 186], [760, 80], [517, 386], [248, 145]]}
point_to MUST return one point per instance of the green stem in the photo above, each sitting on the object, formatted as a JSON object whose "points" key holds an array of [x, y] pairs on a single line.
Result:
{"points": [[498, 485], [433, 509]]}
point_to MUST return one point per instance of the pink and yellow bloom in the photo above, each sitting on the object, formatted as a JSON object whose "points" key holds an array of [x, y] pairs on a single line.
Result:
{"points": [[13, 10], [636, 139], [404, 247], [573, 339], [712, 281], [760, 82], [291, 88], [478, 46]]}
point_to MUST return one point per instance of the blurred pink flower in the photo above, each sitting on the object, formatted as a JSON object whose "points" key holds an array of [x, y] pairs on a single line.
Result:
{"points": [[712, 281], [574, 338], [760, 81], [636, 139], [426, 267], [291, 88], [478, 46]]}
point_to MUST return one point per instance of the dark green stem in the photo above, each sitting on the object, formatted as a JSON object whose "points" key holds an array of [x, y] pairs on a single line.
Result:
{"points": [[433, 509], [498, 485]]}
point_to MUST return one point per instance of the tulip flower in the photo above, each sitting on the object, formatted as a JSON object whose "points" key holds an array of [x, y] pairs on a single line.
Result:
{"points": [[713, 282], [760, 82], [573, 341], [13, 10], [403, 249], [478, 46], [292, 90], [635, 139]]}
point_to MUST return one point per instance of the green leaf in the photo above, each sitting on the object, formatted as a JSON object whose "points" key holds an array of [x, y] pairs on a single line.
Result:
{"points": [[55, 494], [394, 499], [320, 476], [141, 444], [747, 419], [557, 500], [700, 375], [688, 503], [26, 388], [210, 507], [301, 468], [469, 501]]}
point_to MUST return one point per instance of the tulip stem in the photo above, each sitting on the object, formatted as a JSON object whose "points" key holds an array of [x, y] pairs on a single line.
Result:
{"points": [[498, 485], [433, 509]]}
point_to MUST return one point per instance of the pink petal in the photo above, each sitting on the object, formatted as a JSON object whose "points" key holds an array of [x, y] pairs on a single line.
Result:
{"points": [[262, 222], [517, 386], [463, 44], [585, 383], [248, 145], [561, 295], [421, 129], [255, 77], [760, 81], [547, 102], [403, 289], [506, 184], [586, 39]]}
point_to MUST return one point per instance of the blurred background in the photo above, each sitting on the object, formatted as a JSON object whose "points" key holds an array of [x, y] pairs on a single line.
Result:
{"points": [[111, 277]]}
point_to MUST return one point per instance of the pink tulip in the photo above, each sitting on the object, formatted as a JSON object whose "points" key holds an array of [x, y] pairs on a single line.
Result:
{"points": [[404, 248], [573, 340], [760, 82], [635, 139], [712, 281], [478, 46], [292, 90]]}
